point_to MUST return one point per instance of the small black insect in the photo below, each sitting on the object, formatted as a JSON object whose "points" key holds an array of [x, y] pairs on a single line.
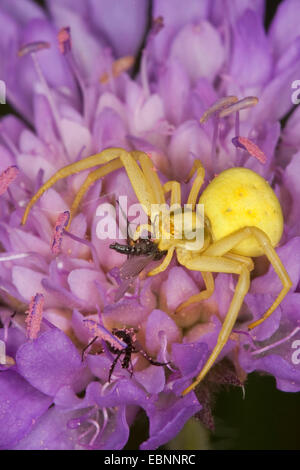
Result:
{"points": [[139, 254], [128, 336]]}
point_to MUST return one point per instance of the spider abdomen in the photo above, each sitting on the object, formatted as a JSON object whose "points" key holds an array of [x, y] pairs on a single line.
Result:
{"points": [[237, 198]]}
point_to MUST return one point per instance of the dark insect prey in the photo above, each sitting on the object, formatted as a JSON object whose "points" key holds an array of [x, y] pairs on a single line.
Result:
{"points": [[128, 338], [139, 253]]}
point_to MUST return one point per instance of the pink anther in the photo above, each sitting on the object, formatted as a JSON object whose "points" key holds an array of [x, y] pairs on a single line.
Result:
{"points": [[7, 177], [34, 316], [64, 40], [217, 107], [97, 330], [61, 223], [247, 102], [33, 47], [251, 148]]}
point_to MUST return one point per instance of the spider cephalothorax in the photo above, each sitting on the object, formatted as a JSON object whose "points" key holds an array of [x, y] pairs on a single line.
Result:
{"points": [[240, 208]]}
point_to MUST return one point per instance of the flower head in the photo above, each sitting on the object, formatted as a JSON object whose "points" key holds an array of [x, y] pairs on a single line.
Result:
{"points": [[211, 85]]}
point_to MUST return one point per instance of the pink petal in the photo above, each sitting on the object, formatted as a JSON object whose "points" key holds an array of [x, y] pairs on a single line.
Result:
{"points": [[199, 49]]}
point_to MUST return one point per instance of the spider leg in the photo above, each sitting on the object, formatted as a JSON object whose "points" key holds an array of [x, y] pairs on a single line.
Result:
{"points": [[279, 269], [241, 259], [167, 260], [227, 243], [175, 189], [151, 177], [218, 264], [209, 281], [115, 165], [136, 176], [205, 294], [199, 179], [92, 177]]}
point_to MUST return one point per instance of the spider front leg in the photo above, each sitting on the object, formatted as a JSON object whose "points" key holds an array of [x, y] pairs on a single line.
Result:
{"points": [[218, 264], [199, 179], [151, 177], [92, 177], [135, 174], [175, 189], [95, 175]]}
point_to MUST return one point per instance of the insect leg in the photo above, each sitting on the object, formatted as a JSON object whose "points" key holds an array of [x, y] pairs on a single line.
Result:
{"points": [[151, 360], [86, 347], [113, 365]]}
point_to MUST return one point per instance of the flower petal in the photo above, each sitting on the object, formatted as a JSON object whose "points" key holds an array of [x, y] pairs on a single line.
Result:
{"points": [[20, 406], [49, 362]]}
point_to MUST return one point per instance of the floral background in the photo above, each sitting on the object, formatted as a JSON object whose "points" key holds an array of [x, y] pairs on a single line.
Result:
{"points": [[73, 99]]}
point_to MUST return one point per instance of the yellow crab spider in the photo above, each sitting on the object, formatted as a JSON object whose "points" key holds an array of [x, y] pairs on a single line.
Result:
{"points": [[243, 219]]}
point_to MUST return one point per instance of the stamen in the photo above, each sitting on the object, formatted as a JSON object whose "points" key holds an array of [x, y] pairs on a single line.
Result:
{"points": [[34, 316], [64, 40], [218, 106], [251, 148], [273, 345], [74, 423], [33, 47], [61, 222], [12, 256], [65, 46], [119, 66], [90, 418], [2, 353], [7, 177], [157, 25], [86, 243], [100, 331], [144, 74], [97, 431], [214, 140], [247, 102], [163, 350], [4, 359], [8, 141], [39, 180]]}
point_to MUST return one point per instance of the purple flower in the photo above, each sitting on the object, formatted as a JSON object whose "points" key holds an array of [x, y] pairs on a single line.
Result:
{"points": [[192, 96]]}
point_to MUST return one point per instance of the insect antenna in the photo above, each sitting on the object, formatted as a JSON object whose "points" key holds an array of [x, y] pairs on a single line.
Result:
{"points": [[128, 238]]}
